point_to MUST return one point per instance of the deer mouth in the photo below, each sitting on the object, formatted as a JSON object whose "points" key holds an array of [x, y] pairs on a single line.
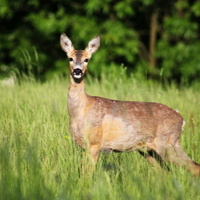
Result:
{"points": [[77, 73]]}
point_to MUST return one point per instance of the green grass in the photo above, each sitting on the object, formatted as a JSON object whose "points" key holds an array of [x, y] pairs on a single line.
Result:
{"points": [[39, 160]]}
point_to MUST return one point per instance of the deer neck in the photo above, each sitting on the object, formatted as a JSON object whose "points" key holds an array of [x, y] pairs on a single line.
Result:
{"points": [[77, 98]]}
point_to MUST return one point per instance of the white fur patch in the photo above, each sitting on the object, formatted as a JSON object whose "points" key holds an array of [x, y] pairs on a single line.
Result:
{"points": [[183, 125], [77, 76]]}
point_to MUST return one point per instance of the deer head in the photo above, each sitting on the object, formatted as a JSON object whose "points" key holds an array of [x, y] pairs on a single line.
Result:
{"points": [[78, 59]]}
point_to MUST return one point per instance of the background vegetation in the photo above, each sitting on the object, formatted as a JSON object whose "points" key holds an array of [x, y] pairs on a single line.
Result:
{"points": [[151, 38]]}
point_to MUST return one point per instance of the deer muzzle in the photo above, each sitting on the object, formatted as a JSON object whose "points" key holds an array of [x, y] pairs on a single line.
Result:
{"points": [[77, 73]]}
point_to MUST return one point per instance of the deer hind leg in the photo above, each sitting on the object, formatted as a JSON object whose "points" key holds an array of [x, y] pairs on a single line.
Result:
{"points": [[154, 159], [176, 155]]}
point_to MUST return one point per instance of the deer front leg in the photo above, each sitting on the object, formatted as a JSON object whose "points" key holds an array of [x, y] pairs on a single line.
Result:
{"points": [[94, 153], [90, 158], [94, 144]]}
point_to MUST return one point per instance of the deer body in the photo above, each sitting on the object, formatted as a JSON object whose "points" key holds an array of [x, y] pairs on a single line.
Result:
{"points": [[101, 124], [122, 126]]}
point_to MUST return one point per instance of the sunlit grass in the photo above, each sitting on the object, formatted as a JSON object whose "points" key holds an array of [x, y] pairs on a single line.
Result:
{"points": [[39, 160]]}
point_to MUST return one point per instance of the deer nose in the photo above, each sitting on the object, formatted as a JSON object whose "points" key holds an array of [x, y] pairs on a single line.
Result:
{"points": [[77, 72]]}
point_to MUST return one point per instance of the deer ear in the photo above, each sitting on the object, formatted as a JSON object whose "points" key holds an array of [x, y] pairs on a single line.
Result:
{"points": [[93, 45], [66, 43]]}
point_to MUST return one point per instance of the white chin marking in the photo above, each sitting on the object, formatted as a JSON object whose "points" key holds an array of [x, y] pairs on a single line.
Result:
{"points": [[77, 76]]}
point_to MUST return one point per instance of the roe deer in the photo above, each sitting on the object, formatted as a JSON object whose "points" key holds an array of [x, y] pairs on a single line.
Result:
{"points": [[101, 124]]}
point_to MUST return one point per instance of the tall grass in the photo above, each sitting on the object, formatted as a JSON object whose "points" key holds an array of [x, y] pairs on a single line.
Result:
{"points": [[39, 160]]}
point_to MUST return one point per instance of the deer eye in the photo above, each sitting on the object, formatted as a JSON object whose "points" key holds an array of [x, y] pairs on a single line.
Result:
{"points": [[86, 60], [70, 59]]}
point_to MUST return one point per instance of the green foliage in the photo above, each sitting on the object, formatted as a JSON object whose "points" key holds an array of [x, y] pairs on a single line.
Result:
{"points": [[196, 8], [179, 46], [39, 159], [124, 27]]}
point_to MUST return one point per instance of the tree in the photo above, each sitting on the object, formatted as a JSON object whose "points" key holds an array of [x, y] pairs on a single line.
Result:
{"points": [[150, 36], [178, 47]]}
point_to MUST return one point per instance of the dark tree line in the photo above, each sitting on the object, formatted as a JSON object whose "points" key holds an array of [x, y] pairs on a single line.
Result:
{"points": [[149, 37]]}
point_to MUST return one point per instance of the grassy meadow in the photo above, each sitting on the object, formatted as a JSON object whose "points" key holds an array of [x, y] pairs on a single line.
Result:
{"points": [[39, 160]]}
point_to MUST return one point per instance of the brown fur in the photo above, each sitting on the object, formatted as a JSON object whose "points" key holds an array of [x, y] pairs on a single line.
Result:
{"points": [[102, 124]]}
